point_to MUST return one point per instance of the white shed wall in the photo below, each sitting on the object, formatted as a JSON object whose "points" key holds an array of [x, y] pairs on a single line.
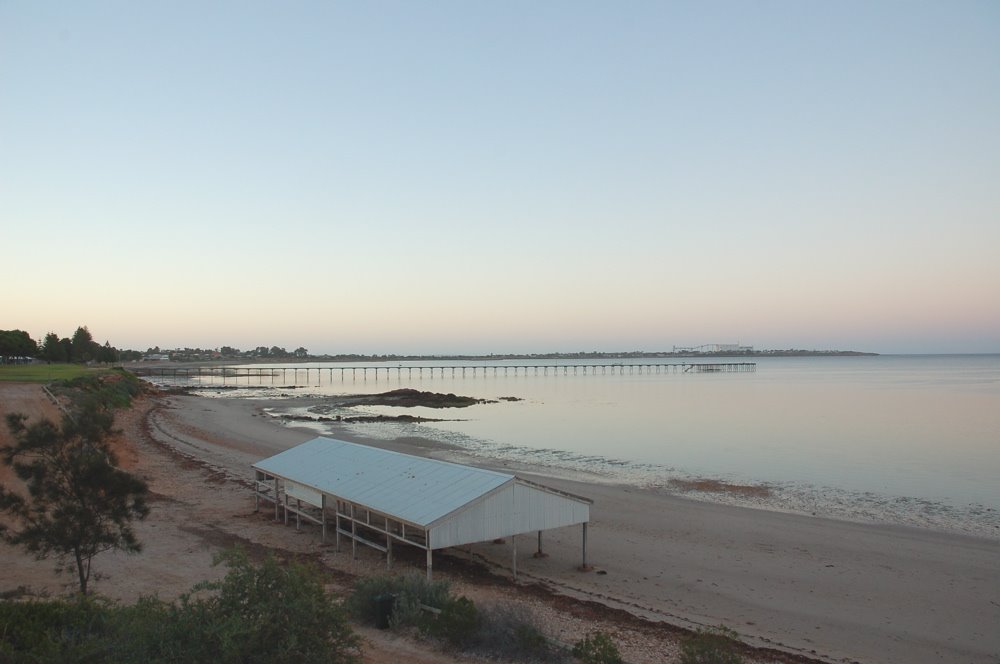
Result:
{"points": [[303, 493], [541, 510], [511, 510]]}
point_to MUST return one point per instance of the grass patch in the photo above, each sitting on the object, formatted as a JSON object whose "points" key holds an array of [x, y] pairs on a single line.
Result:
{"points": [[715, 645], [44, 373]]}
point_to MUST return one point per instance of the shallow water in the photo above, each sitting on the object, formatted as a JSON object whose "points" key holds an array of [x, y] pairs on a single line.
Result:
{"points": [[908, 439]]}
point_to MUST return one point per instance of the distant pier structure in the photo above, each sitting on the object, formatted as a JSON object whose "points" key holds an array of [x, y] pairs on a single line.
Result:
{"points": [[306, 375]]}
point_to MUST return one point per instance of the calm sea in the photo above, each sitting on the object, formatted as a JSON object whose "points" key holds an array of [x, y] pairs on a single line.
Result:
{"points": [[911, 439]]}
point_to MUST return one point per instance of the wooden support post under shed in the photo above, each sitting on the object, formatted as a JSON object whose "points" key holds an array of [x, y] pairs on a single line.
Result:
{"points": [[584, 567], [513, 546], [322, 508], [336, 525], [275, 498], [540, 553], [430, 564]]}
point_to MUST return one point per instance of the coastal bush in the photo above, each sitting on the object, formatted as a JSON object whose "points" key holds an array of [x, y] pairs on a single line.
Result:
{"points": [[597, 648], [715, 645], [109, 389]]}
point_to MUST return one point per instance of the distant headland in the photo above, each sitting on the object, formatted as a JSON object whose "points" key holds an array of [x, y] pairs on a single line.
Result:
{"points": [[196, 355]]}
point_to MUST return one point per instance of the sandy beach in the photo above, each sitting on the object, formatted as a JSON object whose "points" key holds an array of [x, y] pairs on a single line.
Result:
{"points": [[810, 587]]}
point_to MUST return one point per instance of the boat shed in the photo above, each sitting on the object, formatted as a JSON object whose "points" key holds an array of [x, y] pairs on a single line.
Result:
{"points": [[377, 497]]}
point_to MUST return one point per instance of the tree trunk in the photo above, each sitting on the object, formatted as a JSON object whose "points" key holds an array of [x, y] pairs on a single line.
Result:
{"points": [[83, 574]]}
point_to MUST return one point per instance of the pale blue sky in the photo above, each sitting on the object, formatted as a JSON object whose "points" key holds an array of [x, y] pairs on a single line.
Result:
{"points": [[519, 176]]}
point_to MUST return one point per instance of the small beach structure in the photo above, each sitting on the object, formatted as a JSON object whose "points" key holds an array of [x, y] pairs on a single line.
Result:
{"points": [[377, 497]]}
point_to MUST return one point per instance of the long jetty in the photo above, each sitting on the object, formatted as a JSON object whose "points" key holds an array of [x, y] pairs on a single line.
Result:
{"points": [[270, 374]]}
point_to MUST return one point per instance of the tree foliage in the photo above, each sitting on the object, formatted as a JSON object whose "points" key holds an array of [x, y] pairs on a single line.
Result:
{"points": [[16, 344], [53, 350], [79, 503], [84, 346]]}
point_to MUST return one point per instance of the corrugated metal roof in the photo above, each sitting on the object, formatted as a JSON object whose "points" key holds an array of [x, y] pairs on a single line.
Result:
{"points": [[405, 487]]}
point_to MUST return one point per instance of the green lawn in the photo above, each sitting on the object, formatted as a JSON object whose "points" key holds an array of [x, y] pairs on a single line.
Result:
{"points": [[42, 373]]}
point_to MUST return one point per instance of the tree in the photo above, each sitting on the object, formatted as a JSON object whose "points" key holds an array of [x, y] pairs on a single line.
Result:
{"points": [[106, 353], [16, 344], [52, 349], [84, 346], [79, 503], [67, 346]]}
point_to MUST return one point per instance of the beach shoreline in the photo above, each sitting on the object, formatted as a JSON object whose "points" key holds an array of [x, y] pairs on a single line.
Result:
{"points": [[811, 585], [815, 588], [315, 413]]}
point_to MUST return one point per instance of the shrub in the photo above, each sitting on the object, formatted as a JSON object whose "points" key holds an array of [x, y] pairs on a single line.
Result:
{"points": [[597, 648], [502, 632], [411, 591], [510, 632], [54, 630], [458, 623], [271, 613], [715, 645]]}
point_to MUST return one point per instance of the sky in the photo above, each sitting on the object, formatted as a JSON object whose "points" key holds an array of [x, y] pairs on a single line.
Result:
{"points": [[475, 177]]}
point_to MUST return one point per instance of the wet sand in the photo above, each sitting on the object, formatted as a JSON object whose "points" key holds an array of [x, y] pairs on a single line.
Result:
{"points": [[836, 590]]}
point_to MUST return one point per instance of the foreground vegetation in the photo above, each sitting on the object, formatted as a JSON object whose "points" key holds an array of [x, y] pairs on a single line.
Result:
{"points": [[270, 612]]}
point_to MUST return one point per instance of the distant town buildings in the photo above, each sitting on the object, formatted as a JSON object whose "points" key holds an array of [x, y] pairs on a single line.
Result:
{"points": [[714, 348]]}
